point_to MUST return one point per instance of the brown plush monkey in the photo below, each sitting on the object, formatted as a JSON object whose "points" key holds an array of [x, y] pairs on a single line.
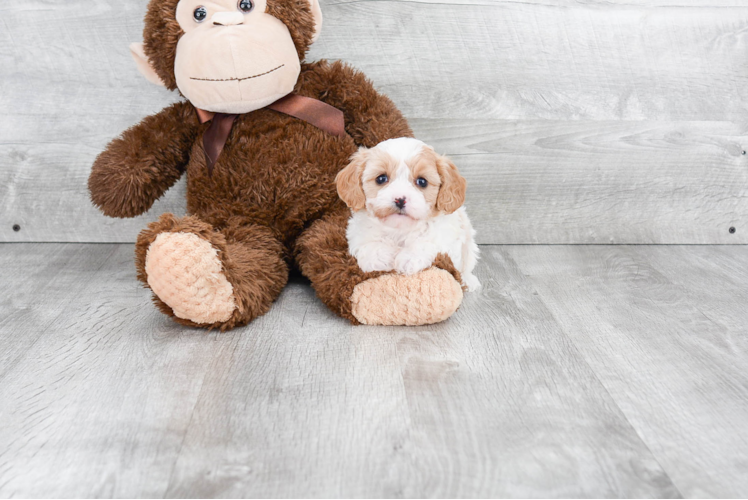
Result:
{"points": [[261, 138]]}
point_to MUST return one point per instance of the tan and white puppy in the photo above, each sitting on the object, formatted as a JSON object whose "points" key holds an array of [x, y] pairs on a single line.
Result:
{"points": [[406, 204]]}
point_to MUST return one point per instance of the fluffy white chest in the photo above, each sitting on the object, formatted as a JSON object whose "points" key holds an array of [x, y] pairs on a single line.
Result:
{"points": [[414, 246]]}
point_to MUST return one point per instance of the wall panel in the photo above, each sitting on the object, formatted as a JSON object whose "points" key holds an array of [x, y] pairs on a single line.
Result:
{"points": [[575, 121]]}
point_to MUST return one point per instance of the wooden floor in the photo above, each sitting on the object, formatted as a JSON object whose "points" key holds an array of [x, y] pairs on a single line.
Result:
{"points": [[600, 371]]}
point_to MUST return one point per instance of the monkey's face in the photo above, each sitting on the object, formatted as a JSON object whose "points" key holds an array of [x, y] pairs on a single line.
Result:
{"points": [[227, 56], [233, 57]]}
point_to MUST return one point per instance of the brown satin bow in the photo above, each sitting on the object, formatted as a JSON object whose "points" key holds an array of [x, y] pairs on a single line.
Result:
{"points": [[312, 111]]}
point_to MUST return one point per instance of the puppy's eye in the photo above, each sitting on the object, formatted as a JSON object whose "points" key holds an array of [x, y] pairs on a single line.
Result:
{"points": [[246, 6], [421, 182], [382, 179], [200, 14]]}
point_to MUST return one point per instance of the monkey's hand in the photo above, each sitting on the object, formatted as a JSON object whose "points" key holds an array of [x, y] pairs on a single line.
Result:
{"points": [[139, 166]]}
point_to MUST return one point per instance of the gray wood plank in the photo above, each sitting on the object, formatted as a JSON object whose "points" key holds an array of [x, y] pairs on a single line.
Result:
{"points": [[486, 68], [600, 182], [303, 405], [715, 278], [496, 402], [503, 388], [525, 60], [573, 3], [97, 406], [650, 322], [529, 182], [499, 401], [37, 285]]}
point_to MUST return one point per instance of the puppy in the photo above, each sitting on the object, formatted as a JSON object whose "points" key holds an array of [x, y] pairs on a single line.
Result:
{"points": [[406, 203]]}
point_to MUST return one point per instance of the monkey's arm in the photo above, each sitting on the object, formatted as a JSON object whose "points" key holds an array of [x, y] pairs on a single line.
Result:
{"points": [[139, 166], [370, 117]]}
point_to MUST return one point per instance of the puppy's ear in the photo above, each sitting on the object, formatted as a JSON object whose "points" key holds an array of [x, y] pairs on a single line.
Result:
{"points": [[350, 189], [452, 190]]}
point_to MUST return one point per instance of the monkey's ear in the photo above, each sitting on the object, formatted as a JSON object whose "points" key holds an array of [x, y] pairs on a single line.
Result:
{"points": [[317, 12], [144, 66]]}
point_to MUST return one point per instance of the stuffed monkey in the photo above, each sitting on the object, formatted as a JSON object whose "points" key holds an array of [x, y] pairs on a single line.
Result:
{"points": [[261, 136]]}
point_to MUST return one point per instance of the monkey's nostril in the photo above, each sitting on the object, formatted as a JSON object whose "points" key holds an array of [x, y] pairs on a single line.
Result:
{"points": [[227, 18]]}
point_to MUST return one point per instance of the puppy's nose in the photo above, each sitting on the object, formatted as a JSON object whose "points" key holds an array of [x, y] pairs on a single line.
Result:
{"points": [[400, 203]]}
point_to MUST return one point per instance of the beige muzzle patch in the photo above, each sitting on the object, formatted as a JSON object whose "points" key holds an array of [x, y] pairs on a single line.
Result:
{"points": [[236, 64]]}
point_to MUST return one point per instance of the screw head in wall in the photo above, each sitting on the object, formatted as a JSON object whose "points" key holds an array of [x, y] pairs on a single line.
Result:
{"points": [[732, 230], [16, 227]]}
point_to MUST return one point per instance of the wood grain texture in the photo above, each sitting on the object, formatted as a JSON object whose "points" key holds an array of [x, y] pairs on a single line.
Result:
{"points": [[494, 403], [529, 182], [502, 387], [600, 182], [120, 402], [526, 60], [37, 285], [644, 102], [664, 330], [568, 3], [97, 405]]}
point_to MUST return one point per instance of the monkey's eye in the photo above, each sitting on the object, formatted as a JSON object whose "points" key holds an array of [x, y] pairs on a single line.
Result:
{"points": [[246, 5], [200, 14], [382, 179], [421, 182]]}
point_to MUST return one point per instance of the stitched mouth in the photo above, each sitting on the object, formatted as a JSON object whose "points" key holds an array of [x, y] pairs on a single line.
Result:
{"points": [[236, 79]]}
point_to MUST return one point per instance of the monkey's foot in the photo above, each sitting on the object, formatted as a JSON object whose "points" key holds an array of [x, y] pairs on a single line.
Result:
{"points": [[424, 298], [186, 273]]}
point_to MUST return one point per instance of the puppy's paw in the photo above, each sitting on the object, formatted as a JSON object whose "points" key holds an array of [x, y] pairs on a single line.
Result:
{"points": [[471, 282], [372, 258], [408, 262]]}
